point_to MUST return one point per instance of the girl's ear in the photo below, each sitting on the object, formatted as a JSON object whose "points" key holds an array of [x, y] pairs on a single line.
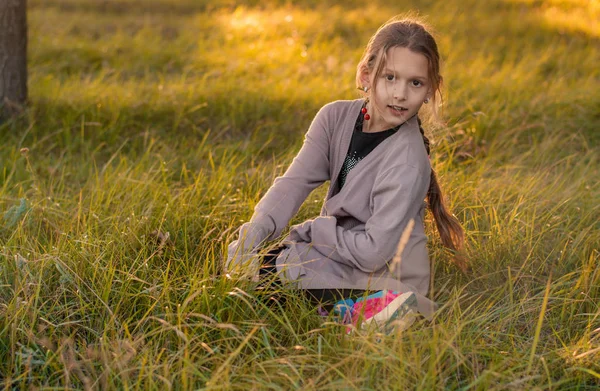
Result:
{"points": [[365, 78], [430, 94]]}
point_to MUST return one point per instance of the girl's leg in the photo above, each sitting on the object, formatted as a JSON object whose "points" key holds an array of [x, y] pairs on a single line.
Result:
{"points": [[325, 298], [268, 271], [268, 281]]}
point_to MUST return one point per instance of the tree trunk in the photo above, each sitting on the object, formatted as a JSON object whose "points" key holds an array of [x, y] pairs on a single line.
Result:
{"points": [[13, 56]]}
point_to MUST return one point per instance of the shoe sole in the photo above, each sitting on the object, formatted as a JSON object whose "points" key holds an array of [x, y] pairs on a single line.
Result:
{"points": [[399, 307]]}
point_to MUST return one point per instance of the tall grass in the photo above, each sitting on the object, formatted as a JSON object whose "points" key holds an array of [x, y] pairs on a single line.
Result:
{"points": [[154, 128]]}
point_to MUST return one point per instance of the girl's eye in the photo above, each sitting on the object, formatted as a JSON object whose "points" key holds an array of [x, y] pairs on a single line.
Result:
{"points": [[389, 77], [416, 83]]}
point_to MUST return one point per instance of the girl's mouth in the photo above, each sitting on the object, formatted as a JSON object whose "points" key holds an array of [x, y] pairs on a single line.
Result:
{"points": [[398, 109]]}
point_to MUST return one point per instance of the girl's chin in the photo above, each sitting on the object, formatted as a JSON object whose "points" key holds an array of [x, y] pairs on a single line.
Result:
{"points": [[394, 120]]}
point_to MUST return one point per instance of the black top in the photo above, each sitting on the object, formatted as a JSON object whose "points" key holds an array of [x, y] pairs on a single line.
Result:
{"points": [[361, 145]]}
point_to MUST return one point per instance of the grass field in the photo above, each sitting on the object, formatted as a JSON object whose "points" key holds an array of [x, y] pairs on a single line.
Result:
{"points": [[155, 126]]}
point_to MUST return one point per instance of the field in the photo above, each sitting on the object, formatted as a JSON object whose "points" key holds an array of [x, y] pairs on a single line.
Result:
{"points": [[155, 126]]}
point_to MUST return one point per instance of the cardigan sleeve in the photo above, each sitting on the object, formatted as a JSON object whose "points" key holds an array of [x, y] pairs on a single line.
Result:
{"points": [[397, 197], [308, 170]]}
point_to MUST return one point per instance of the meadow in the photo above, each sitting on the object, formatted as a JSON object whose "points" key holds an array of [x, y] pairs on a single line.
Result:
{"points": [[155, 126]]}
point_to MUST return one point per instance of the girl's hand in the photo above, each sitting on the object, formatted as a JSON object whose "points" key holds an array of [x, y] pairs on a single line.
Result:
{"points": [[242, 253], [240, 260]]}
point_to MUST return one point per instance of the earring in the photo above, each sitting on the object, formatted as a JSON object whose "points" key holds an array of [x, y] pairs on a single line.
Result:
{"points": [[366, 116], [426, 100], [365, 88]]}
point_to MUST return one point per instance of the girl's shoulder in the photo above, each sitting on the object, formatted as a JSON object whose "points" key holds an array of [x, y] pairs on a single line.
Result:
{"points": [[341, 107], [339, 115], [336, 116]]}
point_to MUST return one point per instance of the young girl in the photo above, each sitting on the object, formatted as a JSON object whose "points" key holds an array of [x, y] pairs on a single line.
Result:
{"points": [[376, 157]]}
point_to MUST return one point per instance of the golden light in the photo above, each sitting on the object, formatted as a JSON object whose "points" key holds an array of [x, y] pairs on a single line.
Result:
{"points": [[581, 16], [243, 20]]}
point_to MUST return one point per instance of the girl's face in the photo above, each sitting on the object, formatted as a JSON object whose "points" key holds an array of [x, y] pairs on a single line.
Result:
{"points": [[400, 89]]}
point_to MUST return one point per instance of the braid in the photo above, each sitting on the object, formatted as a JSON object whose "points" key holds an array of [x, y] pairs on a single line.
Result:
{"points": [[448, 226], [425, 139]]}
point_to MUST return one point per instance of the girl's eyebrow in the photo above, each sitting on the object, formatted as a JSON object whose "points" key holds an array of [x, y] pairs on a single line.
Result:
{"points": [[424, 78]]}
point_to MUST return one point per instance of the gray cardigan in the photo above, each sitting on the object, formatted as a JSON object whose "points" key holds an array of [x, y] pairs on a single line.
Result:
{"points": [[351, 243]]}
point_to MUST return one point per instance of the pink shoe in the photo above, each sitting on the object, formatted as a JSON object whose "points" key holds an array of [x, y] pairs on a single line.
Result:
{"points": [[388, 310]]}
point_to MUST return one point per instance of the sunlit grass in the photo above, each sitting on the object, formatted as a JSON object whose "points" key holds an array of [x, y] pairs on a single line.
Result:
{"points": [[152, 134], [575, 16]]}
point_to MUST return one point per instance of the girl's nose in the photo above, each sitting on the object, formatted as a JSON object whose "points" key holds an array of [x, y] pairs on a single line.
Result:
{"points": [[400, 91]]}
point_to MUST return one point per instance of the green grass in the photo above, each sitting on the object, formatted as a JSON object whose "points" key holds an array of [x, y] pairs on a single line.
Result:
{"points": [[156, 117]]}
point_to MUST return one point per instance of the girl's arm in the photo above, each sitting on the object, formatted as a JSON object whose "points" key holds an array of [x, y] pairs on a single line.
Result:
{"points": [[309, 169], [397, 197]]}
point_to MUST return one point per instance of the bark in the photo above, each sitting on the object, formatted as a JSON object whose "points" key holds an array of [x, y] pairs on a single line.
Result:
{"points": [[13, 56]]}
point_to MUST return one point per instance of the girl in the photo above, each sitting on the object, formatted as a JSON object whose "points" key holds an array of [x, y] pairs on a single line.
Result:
{"points": [[375, 155]]}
